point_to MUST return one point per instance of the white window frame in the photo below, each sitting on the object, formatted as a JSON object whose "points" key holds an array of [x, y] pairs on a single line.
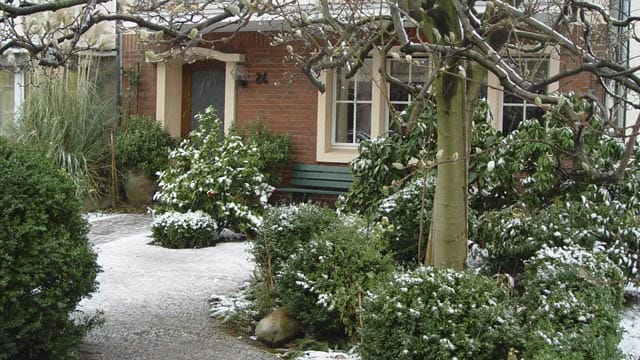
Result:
{"points": [[328, 150], [18, 94], [355, 102], [495, 91]]}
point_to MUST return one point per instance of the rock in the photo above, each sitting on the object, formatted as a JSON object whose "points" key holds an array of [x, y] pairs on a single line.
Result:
{"points": [[139, 188], [277, 328]]}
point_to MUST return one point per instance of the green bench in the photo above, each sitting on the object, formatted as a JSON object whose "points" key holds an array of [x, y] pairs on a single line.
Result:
{"points": [[318, 179]]}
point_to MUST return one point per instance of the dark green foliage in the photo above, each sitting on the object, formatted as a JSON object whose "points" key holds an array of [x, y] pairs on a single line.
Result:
{"points": [[438, 314], [571, 306], [216, 174], [284, 229], [516, 233], [274, 150], [397, 221], [534, 192], [323, 282], [376, 173], [143, 146], [46, 264]]}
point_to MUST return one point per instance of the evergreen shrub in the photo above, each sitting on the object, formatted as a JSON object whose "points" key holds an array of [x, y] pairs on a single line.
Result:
{"points": [[46, 263], [187, 230], [571, 305], [283, 229], [438, 314], [324, 281], [143, 146], [217, 175], [274, 150], [397, 220]]}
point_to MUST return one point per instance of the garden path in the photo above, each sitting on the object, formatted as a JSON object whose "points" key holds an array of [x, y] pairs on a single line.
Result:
{"points": [[155, 299]]}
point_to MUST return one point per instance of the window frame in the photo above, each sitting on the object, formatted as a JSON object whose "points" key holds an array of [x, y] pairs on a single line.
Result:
{"points": [[326, 149], [495, 90], [354, 102], [18, 97]]}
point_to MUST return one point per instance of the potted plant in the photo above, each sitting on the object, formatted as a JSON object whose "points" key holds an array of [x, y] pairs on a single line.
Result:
{"points": [[142, 149]]}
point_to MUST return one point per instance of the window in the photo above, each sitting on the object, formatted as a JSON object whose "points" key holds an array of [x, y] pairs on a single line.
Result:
{"points": [[414, 73], [510, 110], [352, 110], [514, 109], [11, 96], [355, 109]]}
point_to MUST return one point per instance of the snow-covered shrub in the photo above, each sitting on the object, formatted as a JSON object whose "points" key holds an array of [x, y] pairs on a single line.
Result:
{"points": [[274, 149], [323, 282], [516, 233], [555, 185], [218, 175], [283, 229], [397, 221], [46, 263], [177, 230], [438, 314], [571, 305], [376, 173]]}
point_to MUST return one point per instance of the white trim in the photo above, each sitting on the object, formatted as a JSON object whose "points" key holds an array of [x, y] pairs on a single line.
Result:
{"points": [[495, 90], [169, 96], [169, 85], [18, 94], [326, 150]]}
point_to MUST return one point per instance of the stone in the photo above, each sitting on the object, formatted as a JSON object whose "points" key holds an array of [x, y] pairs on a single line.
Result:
{"points": [[139, 188], [277, 328]]}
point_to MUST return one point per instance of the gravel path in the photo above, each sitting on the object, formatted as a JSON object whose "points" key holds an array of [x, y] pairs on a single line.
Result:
{"points": [[155, 300]]}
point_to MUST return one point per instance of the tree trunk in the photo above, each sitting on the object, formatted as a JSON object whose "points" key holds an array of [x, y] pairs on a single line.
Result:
{"points": [[448, 235]]}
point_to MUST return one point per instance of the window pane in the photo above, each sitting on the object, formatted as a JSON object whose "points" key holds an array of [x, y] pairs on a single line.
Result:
{"points": [[364, 81], [400, 70], [363, 122], [534, 112], [534, 70], [7, 98], [343, 123], [344, 87], [509, 98], [511, 117], [364, 90], [419, 71], [396, 93]]}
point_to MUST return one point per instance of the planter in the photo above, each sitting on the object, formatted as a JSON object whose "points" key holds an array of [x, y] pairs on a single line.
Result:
{"points": [[139, 188]]}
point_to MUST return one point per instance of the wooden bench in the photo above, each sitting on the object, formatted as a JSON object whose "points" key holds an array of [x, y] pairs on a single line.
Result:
{"points": [[318, 179]]}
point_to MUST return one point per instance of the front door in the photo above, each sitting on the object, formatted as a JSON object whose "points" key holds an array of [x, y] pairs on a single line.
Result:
{"points": [[203, 86]]}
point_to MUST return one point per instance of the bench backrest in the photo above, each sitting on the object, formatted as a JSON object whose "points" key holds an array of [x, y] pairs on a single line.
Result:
{"points": [[321, 176]]}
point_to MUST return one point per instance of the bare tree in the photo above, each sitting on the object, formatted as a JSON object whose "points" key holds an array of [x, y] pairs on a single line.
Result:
{"points": [[466, 40], [53, 30]]}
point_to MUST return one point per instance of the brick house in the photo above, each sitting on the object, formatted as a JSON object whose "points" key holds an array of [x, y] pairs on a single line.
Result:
{"points": [[250, 80]]}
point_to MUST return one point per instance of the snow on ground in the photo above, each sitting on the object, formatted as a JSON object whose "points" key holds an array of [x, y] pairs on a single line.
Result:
{"points": [[154, 299], [223, 269]]}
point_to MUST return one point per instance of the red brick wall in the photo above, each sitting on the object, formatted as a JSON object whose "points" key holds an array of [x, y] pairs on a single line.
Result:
{"points": [[288, 102], [583, 83], [140, 97]]}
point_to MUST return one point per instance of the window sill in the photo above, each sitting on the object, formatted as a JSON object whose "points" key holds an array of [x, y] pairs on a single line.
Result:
{"points": [[337, 155]]}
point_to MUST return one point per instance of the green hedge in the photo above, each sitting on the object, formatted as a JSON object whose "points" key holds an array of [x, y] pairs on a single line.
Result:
{"points": [[46, 263]]}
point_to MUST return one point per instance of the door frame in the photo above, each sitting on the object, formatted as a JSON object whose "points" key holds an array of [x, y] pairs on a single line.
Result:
{"points": [[187, 70], [169, 85]]}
